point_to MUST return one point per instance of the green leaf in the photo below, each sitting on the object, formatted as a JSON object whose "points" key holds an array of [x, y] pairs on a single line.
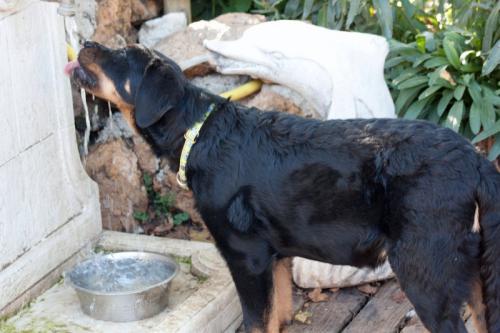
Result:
{"points": [[353, 12], [490, 96], [421, 59], [308, 5], [491, 27], [470, 68], [444, 101], [459, 92], [405, 75], [180, 218], [241, 5], [413, 82], [416, 108], [475, 91], [291, 8], [330, 14], [493, 59], [384, 15], [428, 92], [394, 62], [475, 118], [396, 46], [488, 110], [454, 118], [495, 149], [141, 216], [451, 52], [405, 97], [322, 15], [408, 7], [436, 62], [420, 43], [487, 133]]}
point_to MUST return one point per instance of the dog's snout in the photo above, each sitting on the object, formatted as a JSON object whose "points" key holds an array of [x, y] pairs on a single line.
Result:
{"points": [[94, 45], [90, 44]]}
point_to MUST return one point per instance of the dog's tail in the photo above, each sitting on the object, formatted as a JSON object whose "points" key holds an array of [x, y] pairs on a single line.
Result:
{"points": [[488, 195]]}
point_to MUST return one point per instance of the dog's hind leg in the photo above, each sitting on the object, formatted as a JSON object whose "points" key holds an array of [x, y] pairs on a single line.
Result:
{"points": [[478, 308], [281, 304], [263, 282], [434, 274]]}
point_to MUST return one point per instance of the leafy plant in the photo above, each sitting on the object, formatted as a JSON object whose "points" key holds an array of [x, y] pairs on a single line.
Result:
{"points": [[450, 77], [162, 205], [180, 218], [444, 59], [141, 216]]}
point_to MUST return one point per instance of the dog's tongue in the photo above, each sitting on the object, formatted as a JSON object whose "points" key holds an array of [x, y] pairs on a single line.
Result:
{"points": [[70, 67]]}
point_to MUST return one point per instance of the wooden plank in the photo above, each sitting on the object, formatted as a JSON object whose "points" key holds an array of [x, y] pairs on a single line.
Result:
{"points": [[414, 326], [384, 313], [332, 315]]}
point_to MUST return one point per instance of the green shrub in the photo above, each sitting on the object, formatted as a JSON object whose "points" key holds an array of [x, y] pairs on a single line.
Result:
{"points": [[444, 59]]}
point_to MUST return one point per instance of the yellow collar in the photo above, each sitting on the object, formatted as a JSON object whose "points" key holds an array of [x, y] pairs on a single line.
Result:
{"points": [[191, 135]]}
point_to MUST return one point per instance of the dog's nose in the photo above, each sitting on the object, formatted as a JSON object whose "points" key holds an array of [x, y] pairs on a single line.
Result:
{"points": [[94, 45], [90, 44]]}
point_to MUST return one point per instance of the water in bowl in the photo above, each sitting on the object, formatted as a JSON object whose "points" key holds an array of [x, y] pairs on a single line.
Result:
{"points": [[114, 275]]}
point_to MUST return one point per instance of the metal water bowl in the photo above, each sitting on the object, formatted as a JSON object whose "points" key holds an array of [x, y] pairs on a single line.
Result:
{"points": [[124, 286]]}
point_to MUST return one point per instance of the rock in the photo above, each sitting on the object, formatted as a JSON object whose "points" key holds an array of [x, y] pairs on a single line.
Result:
{"points": [[272, 97], [183, 199], [116, 127], [218, 83], [115, 168], [110, 21], [113, 23], [86, 18], [148, 162], [145, 10], [153, 31], [186, 47]]}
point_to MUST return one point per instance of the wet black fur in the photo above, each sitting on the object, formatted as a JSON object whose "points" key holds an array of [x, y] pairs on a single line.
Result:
{"points": [[271, 185]]}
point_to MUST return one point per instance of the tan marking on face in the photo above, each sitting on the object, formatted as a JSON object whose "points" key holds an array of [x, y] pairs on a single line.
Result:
{"points": [[106, 89], [477, 307], [281, 302], [476, 227]]}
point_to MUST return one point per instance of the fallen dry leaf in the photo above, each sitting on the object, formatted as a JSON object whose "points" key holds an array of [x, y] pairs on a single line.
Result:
{"points": [[317, 296], [303, 317], [368, 289]]}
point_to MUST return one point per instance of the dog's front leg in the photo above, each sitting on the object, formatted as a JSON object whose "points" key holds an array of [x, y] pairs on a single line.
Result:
{"points": [[264, 286]]}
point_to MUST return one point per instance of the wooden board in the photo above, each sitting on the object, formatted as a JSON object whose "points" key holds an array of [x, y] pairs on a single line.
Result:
{"points": [[332, 315], [384, 313]]}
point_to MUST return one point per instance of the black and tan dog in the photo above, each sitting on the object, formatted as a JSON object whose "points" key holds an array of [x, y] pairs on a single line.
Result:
{"points": [[353, 192]]}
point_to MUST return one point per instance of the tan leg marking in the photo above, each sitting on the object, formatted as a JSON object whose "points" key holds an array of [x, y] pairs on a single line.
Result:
{"points": [[281, 300], [477, 308]]}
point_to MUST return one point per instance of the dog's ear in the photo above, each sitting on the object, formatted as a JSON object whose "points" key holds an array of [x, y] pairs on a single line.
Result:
{"points": [[161, 88]]}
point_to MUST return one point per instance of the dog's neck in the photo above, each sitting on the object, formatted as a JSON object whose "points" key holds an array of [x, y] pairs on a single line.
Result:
{"points": [[167, 135]]}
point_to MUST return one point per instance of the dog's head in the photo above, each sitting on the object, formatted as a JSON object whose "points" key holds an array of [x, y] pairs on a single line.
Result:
{"points": [[142, 83]]}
